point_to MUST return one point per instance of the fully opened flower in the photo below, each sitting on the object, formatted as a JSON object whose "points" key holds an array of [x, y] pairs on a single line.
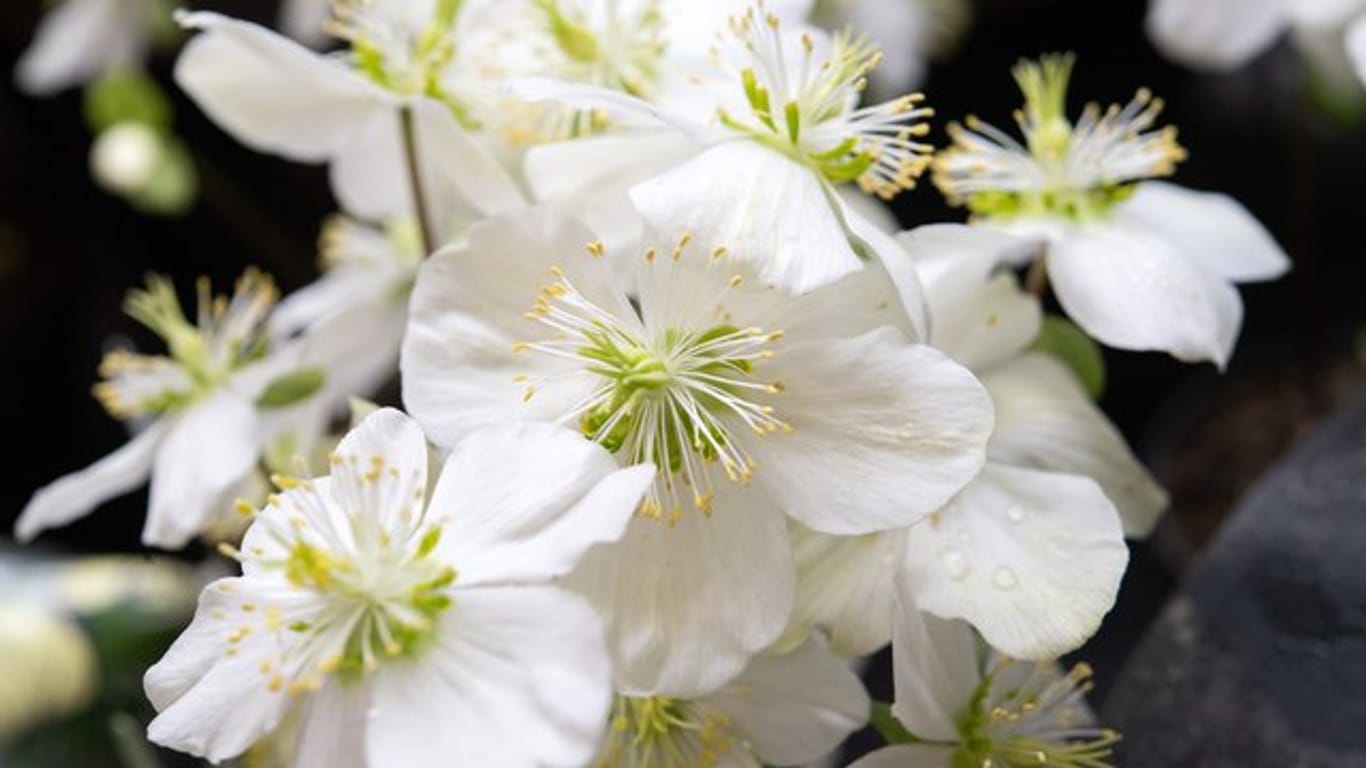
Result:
{"points": [[967, 707], [408, 632], [1031, 552], [776, 127], [201, 406], [751, 402], [355, 112], [1138, 264], [787, 709]]}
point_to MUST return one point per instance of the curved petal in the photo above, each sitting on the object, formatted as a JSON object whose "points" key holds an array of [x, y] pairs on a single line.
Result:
{"points": [[207, 451], [845, 585], [892, 263], [795, 707], [304, 20], [78, 40], [1213, 229], [907, 756], [884, 432], [1042, 563], [74, 496], [523, 502], [727, 197], [369, 171], [459, 173], [935, 668], [380, 469], [1130, 288], [1045, 420], [519, 673], [459, 368], [273, 94], [685, 604], [213, 698], [1215, 34], [333, 726]]}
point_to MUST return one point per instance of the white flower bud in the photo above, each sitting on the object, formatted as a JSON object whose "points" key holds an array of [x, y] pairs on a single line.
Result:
{"points": [[125, 157]]}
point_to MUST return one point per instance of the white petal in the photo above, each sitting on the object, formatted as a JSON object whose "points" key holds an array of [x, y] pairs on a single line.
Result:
{"points": [[1130, 288], [685, 604], [937, 248], [458, 365], [883, 433], [304, 20], [332, 727], [74, 496], [795, 707], [907, 756], [518, 677], [1045, 420], [213, 698], [273, 94], [379, 471], [369, 171], [892, 263], [626, 110], [458, 172], [207, 451], [765, 209], [523, 502], [935, 666], [845, 585], [1032, 559], [1215, 34], [78, 40], [1213, 229], [1356, 46]]}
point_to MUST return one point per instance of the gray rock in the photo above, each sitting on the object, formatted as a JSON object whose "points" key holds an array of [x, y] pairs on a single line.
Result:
{"points": [[1260, 658]]}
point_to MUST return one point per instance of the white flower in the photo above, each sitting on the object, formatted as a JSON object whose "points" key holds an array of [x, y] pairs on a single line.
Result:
{"points": [[279, 97], [783, 710], [125, 157], [1138, 264], [908, 32], [775, 129], [306, 20], [79, 40], [967, 709], [751, 401], [202, 430], [409, 633], [1031, 551]]}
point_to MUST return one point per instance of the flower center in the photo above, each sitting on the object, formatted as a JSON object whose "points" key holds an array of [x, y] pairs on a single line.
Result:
{"points": [[808, 108], [228, 335], [611, 43], [1039, 721], [678, 398], [1075, 171], [665, 733]]}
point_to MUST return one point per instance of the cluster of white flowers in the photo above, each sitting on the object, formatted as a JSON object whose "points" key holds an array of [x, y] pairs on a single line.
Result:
{"points": [[689, 426]]}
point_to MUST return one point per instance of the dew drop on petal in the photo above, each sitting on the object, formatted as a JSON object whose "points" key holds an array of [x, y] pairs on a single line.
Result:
{"points": [[956, 563], [1015, 514], [1005, 578]]}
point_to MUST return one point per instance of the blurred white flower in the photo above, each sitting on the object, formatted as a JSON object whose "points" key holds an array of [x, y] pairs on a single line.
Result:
{"points": [[908, 31], [408, 633], [126, 156], [1138, 264], [79, 40], [306, 20], [752, 402], [48, 666]]}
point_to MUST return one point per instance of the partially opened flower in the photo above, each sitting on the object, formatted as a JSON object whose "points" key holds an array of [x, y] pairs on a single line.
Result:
{"points": [[775, 128], [1031, 552], [1138, 264], [355, 112], [78, 40], [962, 706], [752, 402], [406, 632], [785, 709]]}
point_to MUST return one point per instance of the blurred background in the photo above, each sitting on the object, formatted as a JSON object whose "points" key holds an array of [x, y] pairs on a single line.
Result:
{"points": [[1240, 634]]}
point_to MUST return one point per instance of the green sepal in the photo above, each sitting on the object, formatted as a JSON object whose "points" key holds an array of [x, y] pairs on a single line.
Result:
{"points": [[123, 96], [292, 388], [888, 727], [1062, 339]]}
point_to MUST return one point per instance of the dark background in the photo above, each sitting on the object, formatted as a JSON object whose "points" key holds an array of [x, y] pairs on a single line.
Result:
{"points": [[69, 252]]}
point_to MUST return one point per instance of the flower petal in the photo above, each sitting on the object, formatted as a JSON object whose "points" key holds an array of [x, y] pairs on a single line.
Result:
{"points": [[518, 673], [72, 497], [1356, 46], [1213, 229], [459, 174], [795, 707], [845, 585], [273, 94], [458, 365], [907, 756], [1042, 563], [78, 40], [333, 727], [523, 502], [727, 197], [884, 432], [369, 171], [1215, 34], [379, 471], [892, 263], [1130, 288], [685, 604], [1045, 420], [207, 451], [934, 663]]}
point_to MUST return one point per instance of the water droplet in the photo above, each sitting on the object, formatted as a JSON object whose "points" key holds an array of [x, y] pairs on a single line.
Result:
{"points": [[1015, 514], [955, 563], [1005, 578]]}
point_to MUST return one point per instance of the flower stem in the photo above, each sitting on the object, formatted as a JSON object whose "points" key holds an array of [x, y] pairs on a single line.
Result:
{"points": [[424, 219], [1036, 281]]}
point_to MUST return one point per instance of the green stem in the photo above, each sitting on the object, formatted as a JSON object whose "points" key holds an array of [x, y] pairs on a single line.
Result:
{"points": [[410, 151], [888, 727]]}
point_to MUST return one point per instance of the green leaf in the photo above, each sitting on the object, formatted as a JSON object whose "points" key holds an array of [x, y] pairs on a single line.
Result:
{"points": [[888, 727], [1062, 339], [292, 387]]}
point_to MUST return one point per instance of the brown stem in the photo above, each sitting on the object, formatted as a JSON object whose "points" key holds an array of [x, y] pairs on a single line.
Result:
{"points": [[1036, 281]]}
